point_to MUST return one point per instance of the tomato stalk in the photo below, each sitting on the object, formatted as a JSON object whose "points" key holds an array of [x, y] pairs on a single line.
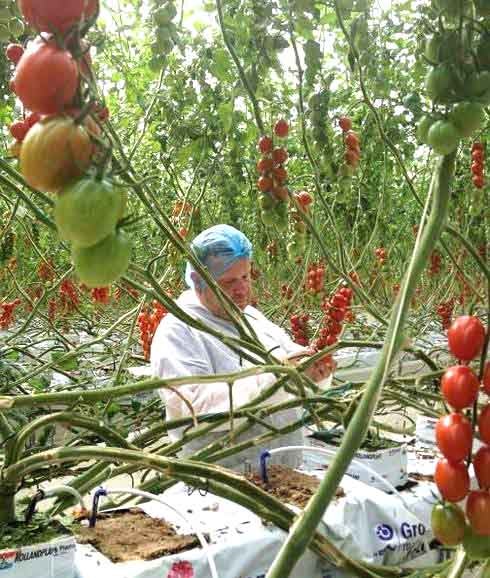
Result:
{"points": [[306, 523]]}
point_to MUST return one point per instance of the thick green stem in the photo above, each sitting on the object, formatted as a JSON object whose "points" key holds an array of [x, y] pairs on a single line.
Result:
{"points": [[307, 522], [7, 502]]}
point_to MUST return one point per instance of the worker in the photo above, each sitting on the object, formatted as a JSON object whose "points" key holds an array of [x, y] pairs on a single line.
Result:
{"points": [[180, 350]]}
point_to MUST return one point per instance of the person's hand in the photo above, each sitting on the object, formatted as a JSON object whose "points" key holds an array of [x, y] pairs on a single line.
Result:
{"points": [[320, 370]]}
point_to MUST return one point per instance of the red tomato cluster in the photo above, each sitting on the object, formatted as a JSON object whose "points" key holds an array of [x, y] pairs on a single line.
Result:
{"points": [[454, 433], [299, 327], [100, 295], [445, 312], [45, 271], [352, 152], [315, 278], [148, 323], [435, 263], [381, 255], [336, 310], [270, 166], [477, 164], [286, 291], [7, 313], [69, 299]]}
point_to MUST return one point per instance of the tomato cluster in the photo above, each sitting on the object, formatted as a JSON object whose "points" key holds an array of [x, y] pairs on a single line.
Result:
{"points": [[445, 312], [352, 152], [435, 263], [478, 164], [381, 255], [460, 388], [7, 313], [45, 271], [296, 244], [273, 177], [299, 328], [458, 80], [148, 322], [54, 81], [166, 32], [100, 295], [336, 310], [68, 296], [315, 278]]}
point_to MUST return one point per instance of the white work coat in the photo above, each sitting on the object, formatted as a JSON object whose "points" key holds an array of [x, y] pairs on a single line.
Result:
{"points": [[180, 350]]}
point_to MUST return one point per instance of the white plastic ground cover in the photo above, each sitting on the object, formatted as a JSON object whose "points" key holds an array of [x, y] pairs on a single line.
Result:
{"points": [[365, 524], [389, 463], [54, 559]]}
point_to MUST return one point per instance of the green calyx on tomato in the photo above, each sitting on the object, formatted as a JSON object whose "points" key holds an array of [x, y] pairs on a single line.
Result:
{"points": [[448, 524], [104, 263], [88, 210], [467, 117], [443, 137]]}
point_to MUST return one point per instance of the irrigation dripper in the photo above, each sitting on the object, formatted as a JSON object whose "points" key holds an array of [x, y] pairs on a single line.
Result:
{"points": [[95, 505], [263, 465]]}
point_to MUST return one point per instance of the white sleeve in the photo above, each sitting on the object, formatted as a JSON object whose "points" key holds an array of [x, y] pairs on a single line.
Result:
{"points": [[178, 352]]}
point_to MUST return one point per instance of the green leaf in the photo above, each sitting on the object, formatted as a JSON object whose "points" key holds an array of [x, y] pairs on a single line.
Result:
{"points": [[68, 364]]}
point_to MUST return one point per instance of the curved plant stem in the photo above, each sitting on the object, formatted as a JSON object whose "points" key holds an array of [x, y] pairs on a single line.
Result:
{"points": [[303, 529]]}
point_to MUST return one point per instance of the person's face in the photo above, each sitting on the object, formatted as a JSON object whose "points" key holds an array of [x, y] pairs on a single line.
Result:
{"points": [[236, 283]]}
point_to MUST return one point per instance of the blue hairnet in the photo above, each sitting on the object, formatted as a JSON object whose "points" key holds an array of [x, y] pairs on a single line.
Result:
{"points": [[218, 248]]}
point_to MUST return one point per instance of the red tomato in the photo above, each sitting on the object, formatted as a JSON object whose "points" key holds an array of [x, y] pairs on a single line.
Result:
{"points": [[466, 336], [352, 140], [281, 194], [478, 512], [477, 156], [46, 78], [452, 480], [18, 129], [265, 144], [481, 464], [453, 436], [345, 123], [486, 378], [338, 300], [478, 181], [459, 386], [32, 118], [351, 157], [484, 424], [281, 128], [279, 156], [280, 174], [14, 52], [337, 314], [264, 184], [476, 168], [304, 198], [56, 15], [477, 146], [346, 292], [264, 165]]}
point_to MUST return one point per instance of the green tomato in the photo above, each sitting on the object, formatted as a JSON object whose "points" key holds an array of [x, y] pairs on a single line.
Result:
{"points": [[423, 128], [443, 137], [479, 84], [87, 211], [476, 547], [164, 14], [439, 82], [448, 523], [268, 217], [266, 202], [467, 117], [104, 263]]}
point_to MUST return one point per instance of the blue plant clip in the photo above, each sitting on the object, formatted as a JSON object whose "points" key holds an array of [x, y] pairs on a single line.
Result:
{"points": [[263, 465], [95, 506]]}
